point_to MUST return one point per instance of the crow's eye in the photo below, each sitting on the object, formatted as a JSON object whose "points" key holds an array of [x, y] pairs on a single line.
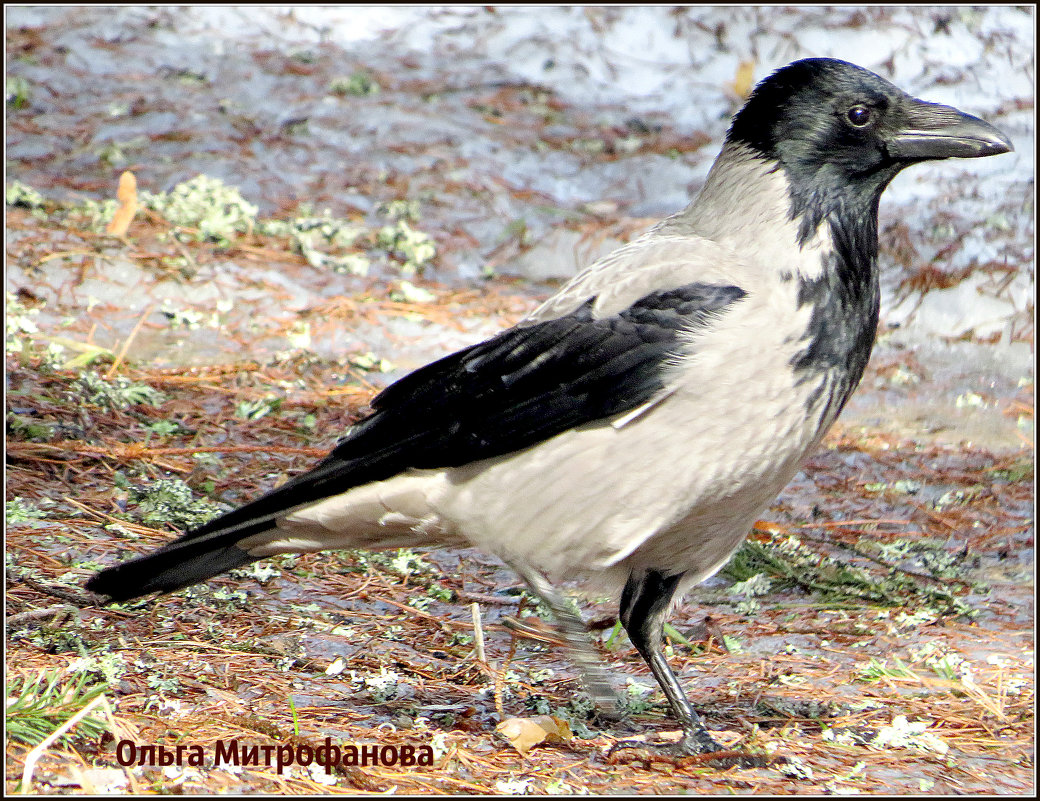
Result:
{"points": [[859, 116]]}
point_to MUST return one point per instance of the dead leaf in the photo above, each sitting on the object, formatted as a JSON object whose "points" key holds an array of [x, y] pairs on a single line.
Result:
{"points": [[743, 82], [127, 197], [525, 733]]}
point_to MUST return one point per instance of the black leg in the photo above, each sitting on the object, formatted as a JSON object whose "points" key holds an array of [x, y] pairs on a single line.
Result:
{"points": [[644, 604], [579, 646]]}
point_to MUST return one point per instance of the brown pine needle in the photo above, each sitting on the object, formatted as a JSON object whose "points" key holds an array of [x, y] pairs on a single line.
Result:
{"points": [[130, 338]]}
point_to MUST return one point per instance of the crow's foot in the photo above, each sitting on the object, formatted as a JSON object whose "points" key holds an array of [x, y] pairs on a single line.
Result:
{"points": [[693, 748]]}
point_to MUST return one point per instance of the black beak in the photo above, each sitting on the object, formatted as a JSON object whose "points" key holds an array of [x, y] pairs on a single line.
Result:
{"points": [[933, 131]]}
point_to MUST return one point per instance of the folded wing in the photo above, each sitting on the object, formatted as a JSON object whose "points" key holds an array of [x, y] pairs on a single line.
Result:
{"points": [[508, 393]]}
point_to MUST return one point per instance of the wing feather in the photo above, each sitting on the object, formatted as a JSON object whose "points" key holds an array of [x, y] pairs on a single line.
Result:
{"points": [[508, 393]]}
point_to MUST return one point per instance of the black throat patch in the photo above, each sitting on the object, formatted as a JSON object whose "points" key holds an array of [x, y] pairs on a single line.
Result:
{"points": [[845, 301]]}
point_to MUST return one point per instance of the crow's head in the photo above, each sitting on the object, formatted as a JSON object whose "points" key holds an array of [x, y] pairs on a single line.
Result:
{"points": [[835, 127]]}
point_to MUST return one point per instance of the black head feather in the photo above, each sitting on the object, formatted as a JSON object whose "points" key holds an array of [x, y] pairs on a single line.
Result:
{"points": [[841, 133], [826, 122]]}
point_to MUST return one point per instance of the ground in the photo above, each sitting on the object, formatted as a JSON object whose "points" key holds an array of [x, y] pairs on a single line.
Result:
{"points": [[876, 635]]}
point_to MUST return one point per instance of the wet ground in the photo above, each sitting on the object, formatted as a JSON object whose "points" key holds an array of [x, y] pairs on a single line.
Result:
{"points": [[520, 156], [526, 143]]}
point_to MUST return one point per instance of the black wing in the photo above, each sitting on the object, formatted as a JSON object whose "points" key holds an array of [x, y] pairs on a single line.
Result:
{"points": [[529, 383], [510, 392]]}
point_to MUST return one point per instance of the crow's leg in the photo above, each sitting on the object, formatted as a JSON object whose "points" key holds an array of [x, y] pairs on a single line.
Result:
{"points": [[579, 646], [644, 603]]}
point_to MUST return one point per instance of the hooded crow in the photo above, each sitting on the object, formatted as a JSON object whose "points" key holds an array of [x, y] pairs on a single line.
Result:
{"points": [[631, 429]]}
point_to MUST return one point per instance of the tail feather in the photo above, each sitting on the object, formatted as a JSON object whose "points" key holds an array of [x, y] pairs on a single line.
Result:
{"points": [[178, 565], [212, 548]]}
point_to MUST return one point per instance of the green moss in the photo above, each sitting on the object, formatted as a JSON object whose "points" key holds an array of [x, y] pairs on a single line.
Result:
{"points": [[17, 92], [789, 563], [411, 248], [170, 501], [326, 242], [257, 409], [358, 84], [119, 393], [218, 211], [19, 510], [1021, 470], [18, 194], [27, 429], [19, 325]]}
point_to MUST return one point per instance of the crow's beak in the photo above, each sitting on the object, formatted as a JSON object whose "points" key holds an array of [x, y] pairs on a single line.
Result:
{"points": [[933, 131]]}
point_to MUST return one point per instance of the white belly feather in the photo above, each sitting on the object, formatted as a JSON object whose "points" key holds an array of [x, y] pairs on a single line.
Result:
{"points": [[676, 487]]}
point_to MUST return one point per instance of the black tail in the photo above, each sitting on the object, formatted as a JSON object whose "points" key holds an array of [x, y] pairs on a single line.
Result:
{"points": [[212, 548], [178, 565]]}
